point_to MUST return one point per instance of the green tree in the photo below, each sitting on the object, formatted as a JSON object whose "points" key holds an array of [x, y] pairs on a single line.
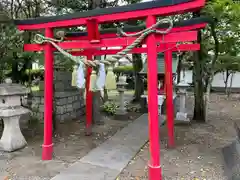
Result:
{"points": [[225, 14], [11, 41], [228, 66]]}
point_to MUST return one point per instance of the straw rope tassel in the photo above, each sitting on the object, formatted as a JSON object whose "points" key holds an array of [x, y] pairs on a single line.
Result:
{"points": [[80, 82], [93, 79], [110, 83], [101, 78], [74, 76]]}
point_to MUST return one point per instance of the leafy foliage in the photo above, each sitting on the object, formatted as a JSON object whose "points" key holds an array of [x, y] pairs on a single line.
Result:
{"points": [[225, 15], [109, 107], [123, 69], [230, 63]]}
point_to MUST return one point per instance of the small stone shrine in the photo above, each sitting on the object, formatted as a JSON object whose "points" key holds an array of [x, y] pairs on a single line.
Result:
{"points": [[11, 111]]}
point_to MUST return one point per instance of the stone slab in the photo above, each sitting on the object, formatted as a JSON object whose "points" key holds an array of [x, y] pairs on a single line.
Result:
{"points": [[116, 152], [86, 171], [231, 156], [12, 89], [107, 160], [237, 127]]}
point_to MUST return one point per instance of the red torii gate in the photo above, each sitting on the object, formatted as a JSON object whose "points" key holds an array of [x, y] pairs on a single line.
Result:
{"points": [[92, 19], [181, 31]]}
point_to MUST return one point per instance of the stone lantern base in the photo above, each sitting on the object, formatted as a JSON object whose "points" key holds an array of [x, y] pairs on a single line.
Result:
{"points": [[181, 116], [121, 114], [12, 138]]}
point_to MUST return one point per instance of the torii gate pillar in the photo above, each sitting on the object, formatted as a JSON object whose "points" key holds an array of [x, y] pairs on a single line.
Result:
{"points": [[154, 163], [48, 101]]}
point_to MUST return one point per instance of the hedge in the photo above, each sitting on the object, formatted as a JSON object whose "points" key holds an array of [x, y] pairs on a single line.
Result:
{"points": [[123, 69]]}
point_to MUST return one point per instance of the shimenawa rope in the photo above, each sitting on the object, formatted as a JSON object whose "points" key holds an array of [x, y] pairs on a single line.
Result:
{"points": [[110, 79]]}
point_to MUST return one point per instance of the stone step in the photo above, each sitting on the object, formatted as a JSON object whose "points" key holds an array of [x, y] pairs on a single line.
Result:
{"points": [[237, 127], [231, 156]]}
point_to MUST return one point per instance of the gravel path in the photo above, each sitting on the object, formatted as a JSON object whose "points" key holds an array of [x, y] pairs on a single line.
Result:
{"points": [[69, 146], [197, 155]]}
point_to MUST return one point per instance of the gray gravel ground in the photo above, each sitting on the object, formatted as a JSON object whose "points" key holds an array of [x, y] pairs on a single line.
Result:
{"points": [[197, 155]]}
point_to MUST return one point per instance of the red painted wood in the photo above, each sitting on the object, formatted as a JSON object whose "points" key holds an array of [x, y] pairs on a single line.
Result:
{"points": [[48, 101], [181, 47], [169, 96], [93, 35], [120, 41], [140, 14], [93, 31], [113, 35], [154, 163]]}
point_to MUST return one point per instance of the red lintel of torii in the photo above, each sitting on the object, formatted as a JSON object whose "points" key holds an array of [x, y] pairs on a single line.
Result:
{"points": [[118, 41]]}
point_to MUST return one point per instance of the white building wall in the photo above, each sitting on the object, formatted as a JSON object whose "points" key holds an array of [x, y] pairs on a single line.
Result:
{"points": [[218, 80]]}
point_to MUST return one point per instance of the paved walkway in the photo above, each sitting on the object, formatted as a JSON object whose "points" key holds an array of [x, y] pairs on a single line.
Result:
{"points": [[107, 160]]}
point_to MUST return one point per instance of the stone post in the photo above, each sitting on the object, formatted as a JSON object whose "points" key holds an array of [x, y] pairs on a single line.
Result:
{"points": [[121, 111], [182, 92]]}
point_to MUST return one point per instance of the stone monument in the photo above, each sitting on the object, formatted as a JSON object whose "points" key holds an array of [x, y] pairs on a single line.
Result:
{"points": [[182, 92], [11, 111]]}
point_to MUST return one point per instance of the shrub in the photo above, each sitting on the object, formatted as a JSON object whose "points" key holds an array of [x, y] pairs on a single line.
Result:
{"points": [[123, 70], [109, 108], [34, 73]]}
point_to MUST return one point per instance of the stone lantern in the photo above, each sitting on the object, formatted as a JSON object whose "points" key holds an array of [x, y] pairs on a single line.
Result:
{"points": [[11, 111], [121, 87], [182, 92]]}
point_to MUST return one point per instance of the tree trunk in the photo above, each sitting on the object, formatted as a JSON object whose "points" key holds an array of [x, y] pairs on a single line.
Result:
{"points": [[97, 117], [207, 96], [15, 72], [179, 69], [199, 103], [105, 96], [139, 86], [15, 75], [230, 87], [225, 78]]}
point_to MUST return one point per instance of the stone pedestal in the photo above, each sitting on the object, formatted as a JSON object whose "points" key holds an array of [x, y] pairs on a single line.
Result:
{"points": [[182, 92], [121, 111], [12, 138], [11, 111]]}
